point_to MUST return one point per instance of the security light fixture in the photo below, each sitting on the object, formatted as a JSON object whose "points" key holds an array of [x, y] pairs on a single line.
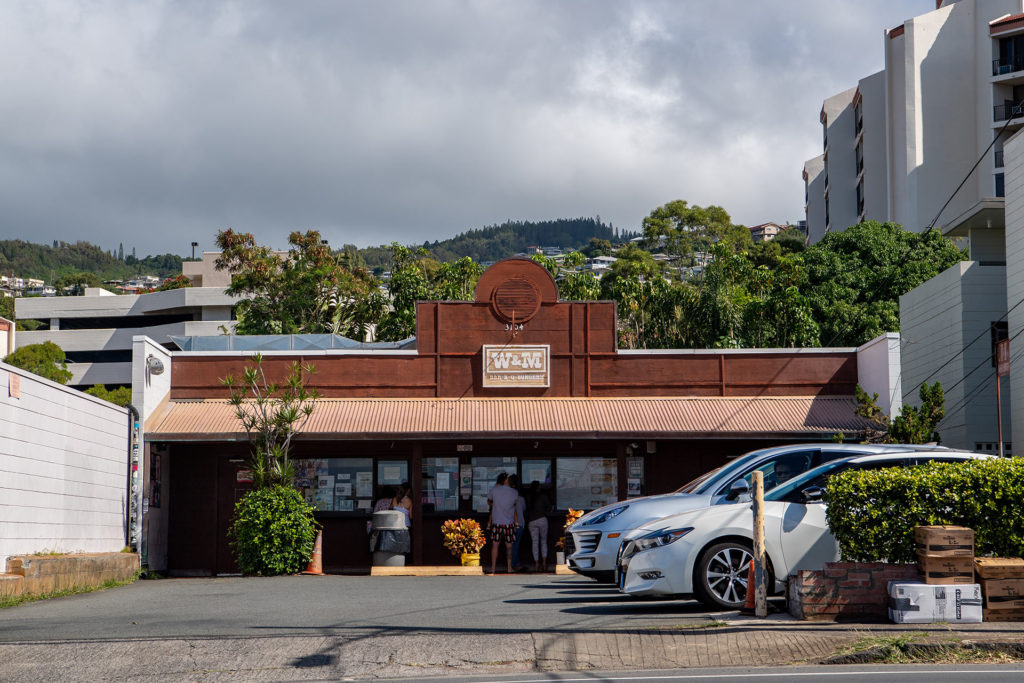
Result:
{"points": [[154, 365]]}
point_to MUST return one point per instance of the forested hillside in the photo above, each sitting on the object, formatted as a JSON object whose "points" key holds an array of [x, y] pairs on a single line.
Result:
{"points": [[512, 237], [28, 260]]}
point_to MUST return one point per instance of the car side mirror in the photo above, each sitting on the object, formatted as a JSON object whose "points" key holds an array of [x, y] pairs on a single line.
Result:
{"points": [[813, 494], [737, 489]]}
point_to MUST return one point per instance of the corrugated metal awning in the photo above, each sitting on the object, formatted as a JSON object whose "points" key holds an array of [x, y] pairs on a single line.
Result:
{"points": [[374, 418]]}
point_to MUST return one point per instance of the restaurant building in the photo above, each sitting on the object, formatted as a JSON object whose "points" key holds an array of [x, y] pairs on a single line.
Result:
{"points": [[514, 381]]}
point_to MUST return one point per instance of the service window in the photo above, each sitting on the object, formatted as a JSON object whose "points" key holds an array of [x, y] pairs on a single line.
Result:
{"points": [[440, 484], [336, 484], [392, 472], [586, 483], [485, 475], [535, 470]]}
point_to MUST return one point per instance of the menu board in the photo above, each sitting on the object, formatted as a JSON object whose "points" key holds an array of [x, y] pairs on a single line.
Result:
{"points": [[586, 483], [336, 484], [440, 484], [485, 476]]}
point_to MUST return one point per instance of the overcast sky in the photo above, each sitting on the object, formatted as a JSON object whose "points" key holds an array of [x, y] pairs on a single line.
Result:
{"points": [[157, 123]]}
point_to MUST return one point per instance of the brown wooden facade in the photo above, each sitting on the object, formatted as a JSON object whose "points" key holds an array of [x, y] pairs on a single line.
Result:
{"points": [[516, 303]]}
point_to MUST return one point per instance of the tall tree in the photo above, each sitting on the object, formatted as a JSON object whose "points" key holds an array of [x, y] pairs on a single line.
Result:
{"points": [[46, 360], [686, 229]]}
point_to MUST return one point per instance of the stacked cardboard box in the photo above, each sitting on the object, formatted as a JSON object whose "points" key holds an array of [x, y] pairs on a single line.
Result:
{"points": [[1002, 584], [945, 554]]}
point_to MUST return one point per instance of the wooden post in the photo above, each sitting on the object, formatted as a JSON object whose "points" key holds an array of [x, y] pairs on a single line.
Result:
{"points": [[760, 588]]}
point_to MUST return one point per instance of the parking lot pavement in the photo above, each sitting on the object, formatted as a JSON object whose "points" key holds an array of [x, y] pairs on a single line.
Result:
{"points": [[305, 628]]}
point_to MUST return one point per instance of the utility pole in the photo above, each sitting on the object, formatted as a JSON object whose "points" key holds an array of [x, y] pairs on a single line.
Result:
{"points": [[760, 588]]}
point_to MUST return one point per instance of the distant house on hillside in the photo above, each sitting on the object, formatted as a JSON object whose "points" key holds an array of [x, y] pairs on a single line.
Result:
{"points": [[765, 232]]}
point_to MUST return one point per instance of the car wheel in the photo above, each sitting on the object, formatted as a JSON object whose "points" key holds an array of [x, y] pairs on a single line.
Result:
{"points": [[720, 577]]}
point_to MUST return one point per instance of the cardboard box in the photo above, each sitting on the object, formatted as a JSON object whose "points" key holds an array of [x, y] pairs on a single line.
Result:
{"points": [[999, 567], [945, 570], [1004, 594], [944, 541], [912, 602], [1002, 614]]}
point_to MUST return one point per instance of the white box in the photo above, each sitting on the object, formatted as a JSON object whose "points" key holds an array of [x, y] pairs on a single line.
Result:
{"points": [[913, 602]]}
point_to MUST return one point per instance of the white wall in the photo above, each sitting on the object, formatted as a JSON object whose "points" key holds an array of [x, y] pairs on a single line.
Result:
{"points": [[879, 372], [1014, 161], [149, 394], [814, 191], [873, 108], [63, 468]]}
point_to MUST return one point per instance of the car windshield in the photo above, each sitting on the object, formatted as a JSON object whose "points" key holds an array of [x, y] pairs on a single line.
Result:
{"points": [[803, 480], [707, 482]]}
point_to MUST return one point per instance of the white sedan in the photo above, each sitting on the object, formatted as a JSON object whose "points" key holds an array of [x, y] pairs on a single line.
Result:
{"points": [[706, 552]]}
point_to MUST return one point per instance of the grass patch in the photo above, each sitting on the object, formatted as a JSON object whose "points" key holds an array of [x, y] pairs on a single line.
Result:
{"points": [[15, 600], [913, 648], [711, 623]]}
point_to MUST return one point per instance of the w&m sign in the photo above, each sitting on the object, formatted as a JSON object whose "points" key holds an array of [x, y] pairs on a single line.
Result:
{"points": [[517, 366]]}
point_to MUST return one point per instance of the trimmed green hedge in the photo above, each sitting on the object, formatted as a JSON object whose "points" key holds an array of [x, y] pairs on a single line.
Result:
{"points": [[273, 531], [873, 513]]}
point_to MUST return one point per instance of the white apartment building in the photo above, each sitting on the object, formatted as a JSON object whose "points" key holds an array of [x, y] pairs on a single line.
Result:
{"points": [[896, 148]]}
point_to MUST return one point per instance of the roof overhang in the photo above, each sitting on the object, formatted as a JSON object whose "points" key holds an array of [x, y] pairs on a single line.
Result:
{"points": [[986, 213], [798, 417]]}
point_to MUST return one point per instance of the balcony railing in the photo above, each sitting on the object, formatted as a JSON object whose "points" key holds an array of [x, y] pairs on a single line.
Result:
{"points": [[1004, 112], [1007, 66], [999, 159]]}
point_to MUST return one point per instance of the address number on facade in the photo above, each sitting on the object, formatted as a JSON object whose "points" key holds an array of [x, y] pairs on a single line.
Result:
{"points": [[517, 366]]}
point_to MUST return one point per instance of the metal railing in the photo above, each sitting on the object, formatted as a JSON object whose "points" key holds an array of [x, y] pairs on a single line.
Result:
{"points": [[1004, 112], [1001, 67]]}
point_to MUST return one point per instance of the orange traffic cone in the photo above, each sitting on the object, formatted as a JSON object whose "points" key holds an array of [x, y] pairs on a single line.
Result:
{"points": [[316, 561], [748, 605]]}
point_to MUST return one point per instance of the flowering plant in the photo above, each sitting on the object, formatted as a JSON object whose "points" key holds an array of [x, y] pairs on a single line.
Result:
{"points": [[570, 518], [462, 536]]}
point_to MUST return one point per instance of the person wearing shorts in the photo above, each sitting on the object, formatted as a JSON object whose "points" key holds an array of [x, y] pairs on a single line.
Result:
{"points": [[502, 528]]}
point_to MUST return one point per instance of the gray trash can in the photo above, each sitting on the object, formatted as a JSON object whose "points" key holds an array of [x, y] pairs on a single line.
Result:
{"points": [[389, 538]]}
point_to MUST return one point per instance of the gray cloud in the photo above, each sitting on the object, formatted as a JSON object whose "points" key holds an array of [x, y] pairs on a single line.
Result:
{"points": [[155, 124]]}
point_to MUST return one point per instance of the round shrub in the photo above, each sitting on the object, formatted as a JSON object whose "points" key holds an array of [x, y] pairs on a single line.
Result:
{"points": [[273, 531]]}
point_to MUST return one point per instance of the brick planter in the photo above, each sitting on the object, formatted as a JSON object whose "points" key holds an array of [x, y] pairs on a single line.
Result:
{"points": [[37, 574], [845, 591]]}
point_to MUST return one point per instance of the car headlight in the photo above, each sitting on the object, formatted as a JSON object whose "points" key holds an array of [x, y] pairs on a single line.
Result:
{"points": [[659, 539], [605, 516]]}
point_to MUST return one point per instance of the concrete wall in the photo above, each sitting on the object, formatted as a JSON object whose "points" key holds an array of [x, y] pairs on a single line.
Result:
{"points": [[149, 395], [7, 336], [879, 372], [63, 468], [945, 325], [873, 108], [814, 193], [841, 161], [1014, 160]]}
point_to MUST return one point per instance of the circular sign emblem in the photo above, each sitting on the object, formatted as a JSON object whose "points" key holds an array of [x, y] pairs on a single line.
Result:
{"points": [[515, 299]]}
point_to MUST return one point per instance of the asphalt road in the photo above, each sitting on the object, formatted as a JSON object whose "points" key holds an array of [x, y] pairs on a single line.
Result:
{"points": [[340, 605]]}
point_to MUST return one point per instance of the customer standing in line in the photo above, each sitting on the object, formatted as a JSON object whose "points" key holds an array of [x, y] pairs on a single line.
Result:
{"points": [[513, 481], [538, 508], [502, 525]]}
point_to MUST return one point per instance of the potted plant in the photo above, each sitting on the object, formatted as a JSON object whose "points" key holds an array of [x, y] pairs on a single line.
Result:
{"points": [[570, 517], [464, 538]]}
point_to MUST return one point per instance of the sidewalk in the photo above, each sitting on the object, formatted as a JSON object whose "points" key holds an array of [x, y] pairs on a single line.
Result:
{"points": [[740, 641]]}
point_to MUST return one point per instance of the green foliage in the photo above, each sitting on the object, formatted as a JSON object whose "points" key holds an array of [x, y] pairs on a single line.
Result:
{"points": [[914, 425], [45, 262], [872, 513], [573, 285], [417, 277], [74, 284], [856, 277], [271, 413], [7, 307], [273, 531], [121, 396], [309, 291], [688, 229], [45, 360]]}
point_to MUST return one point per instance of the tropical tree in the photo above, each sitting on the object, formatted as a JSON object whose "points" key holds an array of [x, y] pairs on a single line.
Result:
{"points": [[120, 396], [915, 424], [74, 284], [46, 360], [687, 229], [306, 291]]}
